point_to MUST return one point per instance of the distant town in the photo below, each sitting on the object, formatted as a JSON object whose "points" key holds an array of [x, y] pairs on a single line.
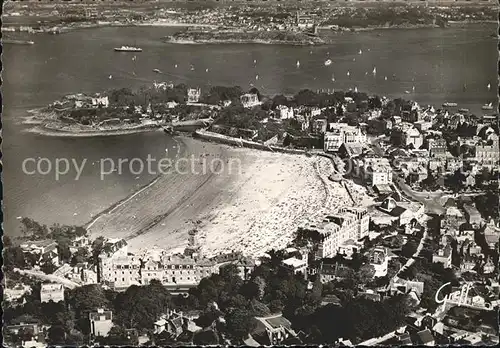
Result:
{"points": [[257, 22], [418, 264]]}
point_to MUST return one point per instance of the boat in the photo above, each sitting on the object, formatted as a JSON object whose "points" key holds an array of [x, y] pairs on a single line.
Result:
{"points": [[407, 92], [298, 64], [489, 86], [333, 78], [348, 73], [449, 105], [355, 89], [256, 77], [328, 62], [385, 78], [360, 52], [157, 71], [374, 70], [128, 49], [463, 110], [487, 106]]}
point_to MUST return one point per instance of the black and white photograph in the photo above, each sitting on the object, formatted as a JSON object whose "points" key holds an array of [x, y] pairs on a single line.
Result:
{"points": [[250, 173]]}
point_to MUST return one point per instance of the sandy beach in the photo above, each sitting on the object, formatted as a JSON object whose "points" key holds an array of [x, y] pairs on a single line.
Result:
{"points": [[252, 205]]}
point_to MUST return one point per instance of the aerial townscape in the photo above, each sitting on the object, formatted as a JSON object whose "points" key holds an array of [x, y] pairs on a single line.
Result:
{"points": [[355, 217]]}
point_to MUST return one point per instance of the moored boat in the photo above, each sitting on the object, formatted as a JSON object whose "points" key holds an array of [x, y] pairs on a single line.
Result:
{"points": [[128, 49], [450, 105], [487, 106]]}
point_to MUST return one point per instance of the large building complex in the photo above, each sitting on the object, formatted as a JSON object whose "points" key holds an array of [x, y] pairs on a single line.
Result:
{"points": [[330, 232]]}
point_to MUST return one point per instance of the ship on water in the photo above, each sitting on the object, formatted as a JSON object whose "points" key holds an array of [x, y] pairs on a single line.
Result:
{"points": [[449, 105], [128, 49], [487, 106]]}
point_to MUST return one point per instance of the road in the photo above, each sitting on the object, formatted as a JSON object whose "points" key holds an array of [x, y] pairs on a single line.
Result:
{"points": [[65, 282], [429, 199], [411, 261]]}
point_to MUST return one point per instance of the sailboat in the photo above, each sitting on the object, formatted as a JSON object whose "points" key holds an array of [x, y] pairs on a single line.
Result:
{"points": [[175, 66], [356, 89], [298, 64], [134, 57], [333, 78], [489, 86], [413, 89], [385, 78], [360, 52], [487, 106], [192, 68], [328, 62], [374, 70], [348, 73], [256, 77], [110, 77], [255, 61]]}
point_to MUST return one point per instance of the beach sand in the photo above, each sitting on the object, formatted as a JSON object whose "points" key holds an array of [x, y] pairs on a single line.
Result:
{"points": [[254, 205]]}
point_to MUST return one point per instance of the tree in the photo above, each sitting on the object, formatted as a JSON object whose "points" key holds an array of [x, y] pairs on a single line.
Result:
{"points": [[205, 337], [14, 258], [409, 249], [366, 273], [240, 323], [56, 335], [48, 267]]}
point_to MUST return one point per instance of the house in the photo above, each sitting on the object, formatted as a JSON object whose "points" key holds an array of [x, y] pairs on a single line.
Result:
{"points": [[437, 147], [175, 323], [194, 95], [469, 179], [398, 212], [472, 215], [379, 260], [46, 250], [375, 171], [443, 256], [272, 330], [340, 133], [52, 292], [245, 266], [284, 112], [319, 126], [249, 100], [412, 137], [424, 338], [100, 101], [298, 266], [101, 322]]}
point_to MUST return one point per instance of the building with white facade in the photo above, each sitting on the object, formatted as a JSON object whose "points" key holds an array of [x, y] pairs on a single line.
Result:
{"points": [[194, 95], [284, 112], [100, 101], [443, 256], [342, 133], [375, 170], [52, 292], [331, 232], [413, 137], [101, 322], [249, 100], [380, 261]]}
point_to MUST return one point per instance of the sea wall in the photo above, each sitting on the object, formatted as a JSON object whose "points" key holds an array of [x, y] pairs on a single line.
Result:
{"points": [[224, 139]]}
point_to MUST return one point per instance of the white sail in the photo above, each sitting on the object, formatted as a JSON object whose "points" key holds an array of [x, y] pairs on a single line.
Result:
{"points": [[385, 78], [489, 86], [256, 77], [298, 64], [206, 70], [175, 66], [328, 62], [356, 89], [255, 61], [333, 78], [110, 77], [348, 73], [413, 88], [374, 70], [360, 52]]}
